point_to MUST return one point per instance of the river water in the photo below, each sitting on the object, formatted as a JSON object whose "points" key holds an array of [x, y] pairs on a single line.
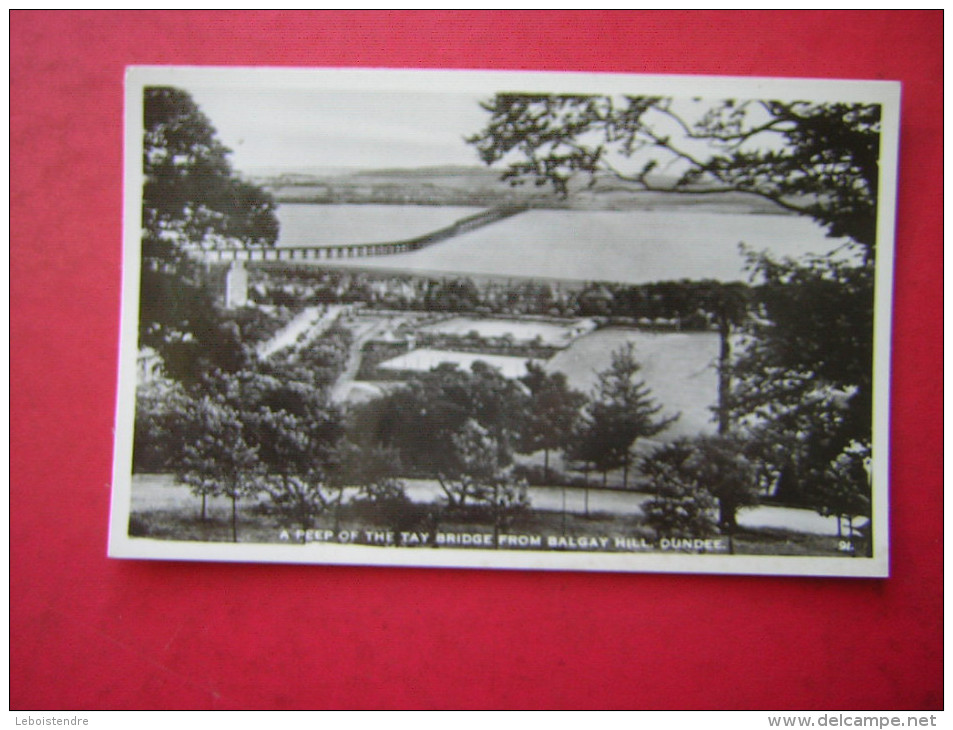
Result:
{"points": [[636, 246]]}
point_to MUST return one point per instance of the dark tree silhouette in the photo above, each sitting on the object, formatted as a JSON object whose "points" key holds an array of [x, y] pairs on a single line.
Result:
{"points": [[690, 475], [551, 413], [727, 305], [191, 199], [844, 490], [420, 421], [803, 379], [293, 431]]}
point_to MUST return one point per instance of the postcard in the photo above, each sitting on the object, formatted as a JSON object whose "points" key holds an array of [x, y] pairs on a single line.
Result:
{"points": [[554, 321]]}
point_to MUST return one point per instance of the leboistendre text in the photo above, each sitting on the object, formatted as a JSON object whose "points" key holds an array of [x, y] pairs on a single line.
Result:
{"points": [[51, 720]]}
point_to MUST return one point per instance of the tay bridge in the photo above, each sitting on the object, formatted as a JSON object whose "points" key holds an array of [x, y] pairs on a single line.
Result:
{"points": [[357, 250]]}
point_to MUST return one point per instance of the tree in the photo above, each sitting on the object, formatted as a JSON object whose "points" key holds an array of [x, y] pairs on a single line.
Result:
{"points": [[295, 460], [373, 471], [161, 432], [480, 480], [800, 384], [727, 305], [720, 465], [294, 432], [456, 295], [551, 412], [191, 200], [477, 463], [585, 451], [803, 377], [714, 464], [622, 411], [297, 500], [679, 506], [219, 461], [816, 159], [421, 419], [594, 445], [417, 420], [844, 489]]}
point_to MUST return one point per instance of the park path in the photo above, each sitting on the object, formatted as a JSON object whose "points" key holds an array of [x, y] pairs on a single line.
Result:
{"points": [[624, 503], [367, 328], [311, 322], [159, 491], [363, 332]]}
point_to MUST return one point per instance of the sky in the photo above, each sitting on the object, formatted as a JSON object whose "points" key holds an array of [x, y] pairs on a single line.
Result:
{"points": [[271, 129]]}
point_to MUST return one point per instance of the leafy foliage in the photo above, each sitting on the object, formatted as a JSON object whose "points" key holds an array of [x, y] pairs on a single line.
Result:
{"points": [[844, 490], [721, 466], [803, 376], [245, 433], [218, 460], [727, 305], [290, 423], [820, 160], [421, 419], [297, 500], [161, 432], [480, 479], [691, 476], [477, 461], [553, 410], [680, 506], [191, 199], [191, 196]]}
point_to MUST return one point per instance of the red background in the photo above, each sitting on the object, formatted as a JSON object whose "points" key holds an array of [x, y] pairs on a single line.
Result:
{"points": [[92, 633]]}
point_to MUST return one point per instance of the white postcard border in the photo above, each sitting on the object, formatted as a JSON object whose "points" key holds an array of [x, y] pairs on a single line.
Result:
{"points": [[883, 92]]}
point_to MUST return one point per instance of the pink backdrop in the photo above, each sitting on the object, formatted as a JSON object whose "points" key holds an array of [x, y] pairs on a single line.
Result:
{"points": [[92, 633]]}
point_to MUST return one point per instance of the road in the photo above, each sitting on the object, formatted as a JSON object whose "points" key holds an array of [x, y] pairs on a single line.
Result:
{"points": [[159, 491], [620, 502]]}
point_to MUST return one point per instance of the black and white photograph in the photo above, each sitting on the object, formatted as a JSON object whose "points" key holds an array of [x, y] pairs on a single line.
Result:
{"points": [[506, 320]]}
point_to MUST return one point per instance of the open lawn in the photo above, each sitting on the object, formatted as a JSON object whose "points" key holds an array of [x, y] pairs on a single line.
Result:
{"points": [[678, 367]]}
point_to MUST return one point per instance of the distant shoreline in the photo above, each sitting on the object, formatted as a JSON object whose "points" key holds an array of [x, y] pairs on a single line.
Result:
{"points": [[482, 187]]}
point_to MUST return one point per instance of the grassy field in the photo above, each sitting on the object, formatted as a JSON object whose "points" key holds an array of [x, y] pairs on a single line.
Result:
{"points": [[678, 367]]}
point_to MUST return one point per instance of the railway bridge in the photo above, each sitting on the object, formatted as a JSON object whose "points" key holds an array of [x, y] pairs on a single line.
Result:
{"points": [[324, 252], [236, 276]]}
